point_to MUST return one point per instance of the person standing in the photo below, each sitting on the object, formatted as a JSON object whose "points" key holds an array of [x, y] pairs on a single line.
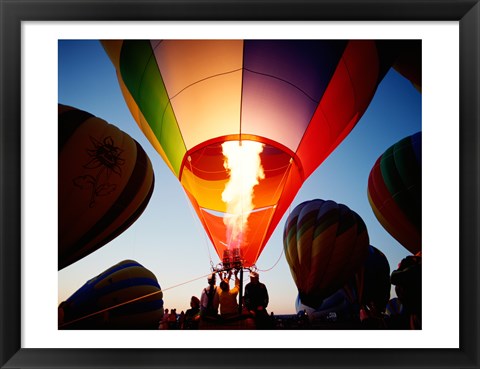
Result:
{"points": [[407, 280], [192, 315], [228, 297], [209, 300], [256, 300]]}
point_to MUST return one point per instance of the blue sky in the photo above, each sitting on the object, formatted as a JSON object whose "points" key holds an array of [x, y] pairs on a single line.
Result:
{"points": [[168, 238]]}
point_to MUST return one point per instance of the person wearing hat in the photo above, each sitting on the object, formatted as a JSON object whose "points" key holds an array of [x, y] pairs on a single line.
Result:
{"points": [[256, 300], [209, 299], [407, 280]]}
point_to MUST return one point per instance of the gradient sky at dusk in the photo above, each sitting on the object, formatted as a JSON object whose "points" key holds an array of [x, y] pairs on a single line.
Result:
{"points": [[169, 240]]}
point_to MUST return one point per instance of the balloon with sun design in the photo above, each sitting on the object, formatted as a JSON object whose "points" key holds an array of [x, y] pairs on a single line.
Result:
{"points": [[105, 181]]}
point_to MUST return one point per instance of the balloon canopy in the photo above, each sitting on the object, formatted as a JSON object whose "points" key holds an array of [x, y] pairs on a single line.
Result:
{"points": [[125, 296], [340, 306], [105, 181], [243, 123], [409, 63], [395, 191], [376, 280], [325, 245]]}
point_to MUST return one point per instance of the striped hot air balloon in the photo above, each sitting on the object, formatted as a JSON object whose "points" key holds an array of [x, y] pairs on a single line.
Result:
{"points": [[325, 245], [293, 101], [125, 296], [105, 181], [395, 191]]}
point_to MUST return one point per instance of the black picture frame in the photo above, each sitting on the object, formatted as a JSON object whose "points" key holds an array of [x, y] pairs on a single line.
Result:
{"points": [[12, 355]]}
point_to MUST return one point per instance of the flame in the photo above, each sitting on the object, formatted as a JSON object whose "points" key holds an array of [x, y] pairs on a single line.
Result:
{"points": [[242, 162]]}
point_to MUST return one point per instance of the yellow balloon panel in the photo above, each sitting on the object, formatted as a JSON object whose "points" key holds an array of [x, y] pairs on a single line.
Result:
{"points": [[210, 108], [207, 192], [186, 62]]}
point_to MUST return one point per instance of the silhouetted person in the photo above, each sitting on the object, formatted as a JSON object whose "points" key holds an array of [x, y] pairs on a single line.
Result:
{"points": [[209, 300], [256, 301], [228, 296], [192, 315], [407, 280]]}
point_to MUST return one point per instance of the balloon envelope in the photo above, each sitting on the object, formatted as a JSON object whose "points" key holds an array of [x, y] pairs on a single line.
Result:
{"points": [[376, 279], [298, 99], [105, 181], [125, 296], [409, 62], [395, 191], [340, 306], [325, 245]]}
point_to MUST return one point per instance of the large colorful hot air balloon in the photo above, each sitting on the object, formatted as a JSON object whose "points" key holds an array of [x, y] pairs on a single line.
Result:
{"points": [[243, 123], [105, 181], [125, 296], [325, 245], [395, 191]]}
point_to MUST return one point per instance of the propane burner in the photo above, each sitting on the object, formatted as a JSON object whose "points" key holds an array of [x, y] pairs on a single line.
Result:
{"points": [[232, 259]]}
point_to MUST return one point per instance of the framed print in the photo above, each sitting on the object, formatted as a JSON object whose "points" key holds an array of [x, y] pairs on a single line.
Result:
{"points": [[82, 289]]}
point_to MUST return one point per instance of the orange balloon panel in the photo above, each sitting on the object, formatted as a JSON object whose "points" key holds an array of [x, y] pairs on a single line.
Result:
{"points": [[298, 99]]}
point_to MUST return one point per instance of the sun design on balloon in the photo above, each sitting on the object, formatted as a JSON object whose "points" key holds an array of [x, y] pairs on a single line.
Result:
{"points": [[105, 157]]}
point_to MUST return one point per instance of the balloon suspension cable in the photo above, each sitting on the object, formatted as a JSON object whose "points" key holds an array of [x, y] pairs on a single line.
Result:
{"points": [[129, 301], [289, 210], [281, 252], [274, 265]]}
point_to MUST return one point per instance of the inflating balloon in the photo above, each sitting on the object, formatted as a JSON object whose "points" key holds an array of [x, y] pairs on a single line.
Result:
{"points": [[394, 307], [125, 296], [105, 181], [325, 245], [376, 280], [342, 305], [395, 191], [243, 123]]}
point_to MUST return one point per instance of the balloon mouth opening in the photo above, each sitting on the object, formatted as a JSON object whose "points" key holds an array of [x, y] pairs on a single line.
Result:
{"points": [[207, 173]]}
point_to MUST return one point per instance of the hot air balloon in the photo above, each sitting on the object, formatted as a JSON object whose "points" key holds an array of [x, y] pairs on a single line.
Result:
{"points": [[243, 123], [395, 191], [409, 62], [325, 245], [125, 296], [105, 181], [340, 306], [375, 288]]}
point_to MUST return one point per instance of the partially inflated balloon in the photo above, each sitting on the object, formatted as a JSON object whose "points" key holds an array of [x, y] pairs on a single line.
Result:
{"points": [[395, 191], [376, 280], [105, 181], [125, 296], [342, 305], [325, 245], [280, 106]]}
